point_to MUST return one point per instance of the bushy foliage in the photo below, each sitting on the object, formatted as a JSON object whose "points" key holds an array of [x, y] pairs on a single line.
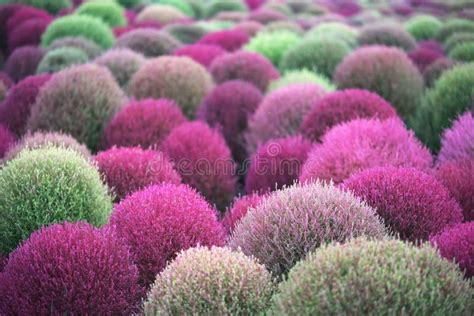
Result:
{"points": [[266, 16], [123, 63], [434, 71], [240, 206], [291, 223], [331, 30], [144, 123], [452, 26], [182, 5], [7, 141], [278, 26], [249, 27], [110, 12], [458, 141], [52, 6], [423, 27], [27, 33], [273, 45], [424, 56], [79, 25], [160, 13], [58, 59], [201, 53], [75, 268], [16, 108], [353, 278], [203, 160], [160, 221], [79, 101], [23, 62], [230, 40], [362, 144], [246, 66], [24, 14], [456, 39], [186, 33], [391, 35], [238, 284], [215, 7], [280, 113], [457, 244], [228, 107], [343, 106], [149, 42], [301, 76], [463, 52], [90, 48], [386, 71], [45, 186]]}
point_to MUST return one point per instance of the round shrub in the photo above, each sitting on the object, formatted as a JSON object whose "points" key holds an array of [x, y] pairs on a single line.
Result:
{"points": [[24, 14], [249, 27], [201, 53], [144, 123], [76, 269], [182, 5], [52, 6], [127, 170], [463, 52], [40, 140], [23, 62], [423, 27], [149, 42], [450, 96], [293, 222], [456, 39], [238, 284], [278, 26], [386, 71], [423, 56], [28, 33], [457, 244], [413, 204], [216, 7], [301, 76], [353, 279], [331, 30], [230, 16], [238, 209], [162, 14], [16, 108], [343, 106], [178, 78], [363, 144], [318, 55], [266, 16], [61, 58], [90, 48], [228, 107], [123, 63], [230, 40], [458, 141], [246, 66], [160, 221], [458, 177], [280, 113], [45, 186], [452, 26], [79, 101], [387, 34], [79, 25], [203, 160], [273, 45], [110, 12], [7, 141], [434, 71], [276, 164], [185, 33]]}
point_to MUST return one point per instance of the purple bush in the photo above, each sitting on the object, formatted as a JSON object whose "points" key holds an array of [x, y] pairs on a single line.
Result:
{"points": [[228, 107], [457, 244], [23, 62], [23, 15], [16, 108], [386, 34], [265, 16], [238, 209], [144, 123], [276, 164], [203, 160], [7, 141], [362, 144], [458, 141], [458, 177], [423, 57], [281, 112], [6, 12], [148, 41], [70, 269], [249, 27], [127, 170], [343, 106], [412, 203], [160, 221], [247, 66], [230, 40], [201, 53], [27, 34]]}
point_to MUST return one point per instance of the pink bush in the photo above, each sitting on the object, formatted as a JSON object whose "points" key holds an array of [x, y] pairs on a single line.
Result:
{"points": [[238, 209], [23, 62], [201, 53], [23, 15], [28, 33], [249, 27], [265, 16], [230, 40], [458, 141], [422, 57], [7, 141]]}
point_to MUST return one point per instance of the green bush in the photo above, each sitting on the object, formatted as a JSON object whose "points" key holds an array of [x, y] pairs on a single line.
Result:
{"points": [[332, 30], [108, 11], [78, 25], [454, 26], [301, 76], [61, 58], [45, 186], [217, 6], [52, 6], [456, 39], [181, 5], [129, 3], [90, 48], [423, 27], [463, 52]]}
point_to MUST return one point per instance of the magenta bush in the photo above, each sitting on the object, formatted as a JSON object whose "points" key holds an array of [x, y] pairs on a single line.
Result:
{"points": [[203, 160], [457, 142], [25, 14], [6, 12], [230, 40], [16, 108], [247, 66], [144, 123], [362, 144], [70, 269], [423, 57], [160, 221], [238, 209], [413, 204], [201, 53], [228, 108], [127, 170], [276, 164], [457, 244], [27, 34], [280, 113], [23, 62], [7, 141], [343, 106], [458, 177]]}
